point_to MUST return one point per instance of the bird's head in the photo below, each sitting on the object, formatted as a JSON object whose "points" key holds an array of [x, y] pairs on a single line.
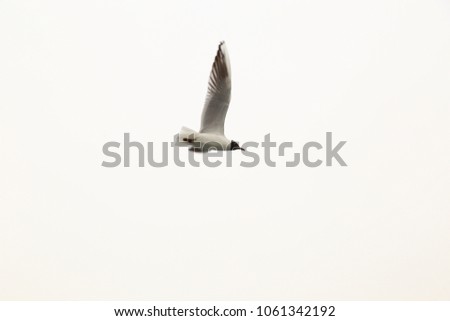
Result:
{"points": [[233, 146]]}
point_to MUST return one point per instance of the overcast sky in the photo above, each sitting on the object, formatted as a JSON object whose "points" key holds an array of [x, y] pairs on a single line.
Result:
{"points": [[75, 75]]}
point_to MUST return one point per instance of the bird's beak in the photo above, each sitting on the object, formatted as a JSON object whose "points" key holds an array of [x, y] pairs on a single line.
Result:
{"points": [[242, 149]]}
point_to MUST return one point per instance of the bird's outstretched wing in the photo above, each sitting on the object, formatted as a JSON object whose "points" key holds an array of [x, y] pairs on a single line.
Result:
{"points": [[219, 94]]}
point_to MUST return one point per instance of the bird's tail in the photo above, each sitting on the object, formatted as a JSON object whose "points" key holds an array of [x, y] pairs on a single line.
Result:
{"points": [[185, 137]]}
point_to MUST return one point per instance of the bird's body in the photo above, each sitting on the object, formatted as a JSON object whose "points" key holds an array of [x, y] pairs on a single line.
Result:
{"points": [[211, 134], [202, 141]]}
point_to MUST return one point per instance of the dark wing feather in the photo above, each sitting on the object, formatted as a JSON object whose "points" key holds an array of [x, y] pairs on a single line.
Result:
{"points": [[219, 94]]}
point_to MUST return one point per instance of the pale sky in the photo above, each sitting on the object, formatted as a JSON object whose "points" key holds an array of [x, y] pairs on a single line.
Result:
{"points": [[74, 75]]}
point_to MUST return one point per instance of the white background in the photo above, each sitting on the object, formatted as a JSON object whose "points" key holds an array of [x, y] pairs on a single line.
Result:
{"points": [[74, 75], [344, 310]]}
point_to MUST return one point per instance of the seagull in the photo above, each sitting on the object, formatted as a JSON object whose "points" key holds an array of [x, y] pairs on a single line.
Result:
{"points": [[211, 134]]}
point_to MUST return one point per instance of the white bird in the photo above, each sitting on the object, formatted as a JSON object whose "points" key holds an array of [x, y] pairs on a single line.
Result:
{"points": [[211, 135]]}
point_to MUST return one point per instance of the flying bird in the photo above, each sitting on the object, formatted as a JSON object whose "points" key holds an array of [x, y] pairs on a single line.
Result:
{"points": [[211, 134]]}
